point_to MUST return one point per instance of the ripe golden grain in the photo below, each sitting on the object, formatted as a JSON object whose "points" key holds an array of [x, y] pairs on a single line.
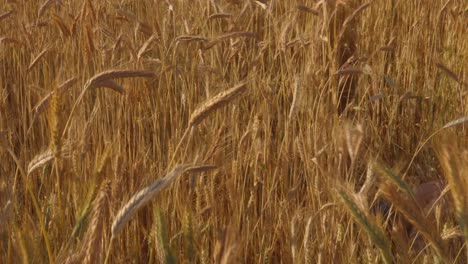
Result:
{"points": [[215, 103]]}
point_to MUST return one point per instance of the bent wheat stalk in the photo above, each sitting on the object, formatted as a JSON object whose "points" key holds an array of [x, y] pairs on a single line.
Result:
{"points": [[210, 106], [45, 102], [4, 214], [45, 157], [453, 123], [6, 14], [142, 198], [105, 79], [145, 195], [94, 235], [296, 97], [36, 60], [455, 169]]}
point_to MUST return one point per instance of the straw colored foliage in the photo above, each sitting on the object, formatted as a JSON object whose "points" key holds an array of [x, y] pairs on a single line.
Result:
{"points": [[237, 131]]}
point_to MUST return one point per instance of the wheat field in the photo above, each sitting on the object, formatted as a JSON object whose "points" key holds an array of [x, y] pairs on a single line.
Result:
{"points": [[234, 131]]}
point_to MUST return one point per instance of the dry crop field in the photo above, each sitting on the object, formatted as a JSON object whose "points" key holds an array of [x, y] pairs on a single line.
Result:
{"points": [[233, 131]]}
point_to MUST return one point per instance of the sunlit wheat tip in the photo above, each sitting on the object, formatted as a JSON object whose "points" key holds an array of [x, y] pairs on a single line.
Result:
{"points": [[142, 198], [216, 102]]}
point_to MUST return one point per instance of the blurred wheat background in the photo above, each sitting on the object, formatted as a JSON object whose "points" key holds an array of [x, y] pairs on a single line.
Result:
{"points": [[233, 131]]}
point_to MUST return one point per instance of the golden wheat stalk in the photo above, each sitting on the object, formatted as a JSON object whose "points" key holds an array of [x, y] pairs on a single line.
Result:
{"points": [[456, 122], [219, 16], [354, 136], [5, 213], [296, 97], [453, 123], [348, 71], [142, 198], [93, 247], [36, 60], [9, 40], [215, 103], [44, 103], [200, 168], [112, 85], [454, 164], [308, 242], [46, 5], [189, 38], [210, 106], [350, 18], [449, 72], [40, 160], [61, 25], [238, 34], [40, 216], [146, 195], [55, 123], [307, 9], [105, 79], [100, 78], [144, 47], [7, 14]]}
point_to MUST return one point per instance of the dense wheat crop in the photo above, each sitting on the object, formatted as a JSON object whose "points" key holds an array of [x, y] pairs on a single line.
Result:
{"points": [[233, 131]]}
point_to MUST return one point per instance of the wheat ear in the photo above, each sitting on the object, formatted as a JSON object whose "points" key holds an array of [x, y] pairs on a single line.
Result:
{"points": [[142, 198], [94, 234], [454, 164], [105, 79], [210, 106]]}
